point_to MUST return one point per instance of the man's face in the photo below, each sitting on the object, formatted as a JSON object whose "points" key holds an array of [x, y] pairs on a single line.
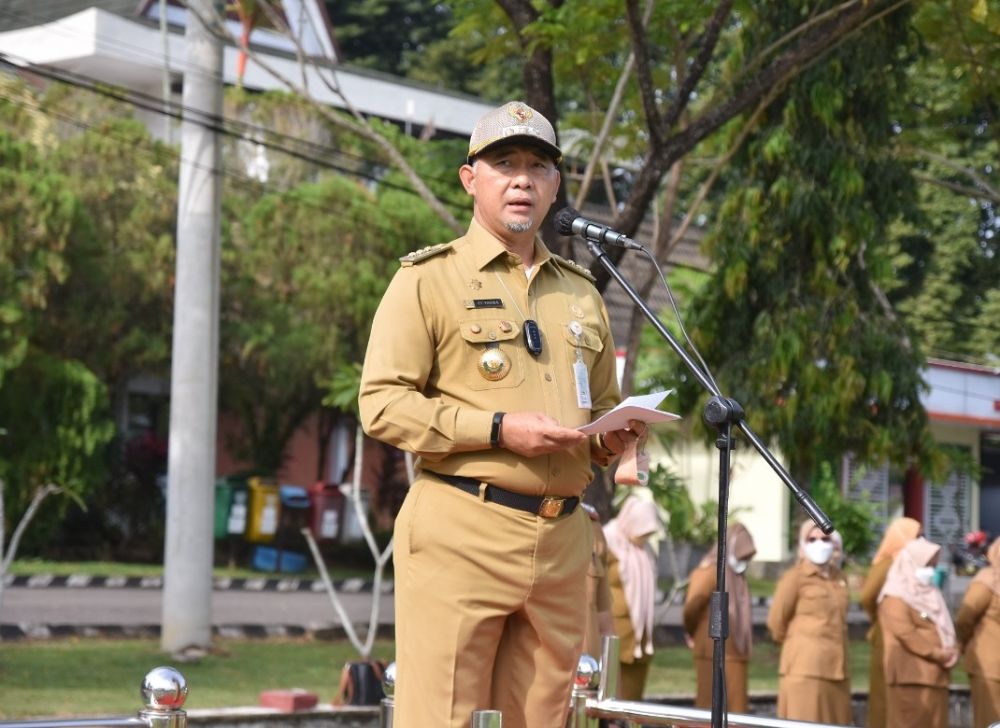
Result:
{"points": [[514, 187]]}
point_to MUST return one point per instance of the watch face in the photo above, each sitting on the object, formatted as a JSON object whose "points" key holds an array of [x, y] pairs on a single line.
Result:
{"points": [[532, 337]]}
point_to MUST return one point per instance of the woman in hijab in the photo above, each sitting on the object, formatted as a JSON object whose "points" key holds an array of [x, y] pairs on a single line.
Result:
{"points": [[632, 576], [919, 640], [701, 583], [978, 630], [899, 533], [808, 618]]}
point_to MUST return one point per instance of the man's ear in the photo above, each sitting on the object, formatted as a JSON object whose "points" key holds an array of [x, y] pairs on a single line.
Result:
{"points": [[468, 177]]}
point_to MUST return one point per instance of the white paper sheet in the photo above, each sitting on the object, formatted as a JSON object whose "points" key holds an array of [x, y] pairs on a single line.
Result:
{"points": [[638, 407]]}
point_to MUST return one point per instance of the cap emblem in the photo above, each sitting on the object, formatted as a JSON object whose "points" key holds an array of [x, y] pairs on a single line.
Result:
{"points": [[519, 112]]}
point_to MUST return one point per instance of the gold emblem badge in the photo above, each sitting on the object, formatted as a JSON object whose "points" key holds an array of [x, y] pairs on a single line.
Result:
{"points": [[494, 364], [521, 113], [475, 284], [577, 311]]}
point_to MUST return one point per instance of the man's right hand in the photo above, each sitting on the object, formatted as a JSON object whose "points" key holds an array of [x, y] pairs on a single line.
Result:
{"points": [[532, 433]]}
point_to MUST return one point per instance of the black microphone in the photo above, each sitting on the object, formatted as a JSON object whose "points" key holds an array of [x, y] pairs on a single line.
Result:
{"points": [[570, 222]]}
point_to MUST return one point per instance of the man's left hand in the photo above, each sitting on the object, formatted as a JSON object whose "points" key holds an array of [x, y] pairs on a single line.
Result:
{"points": [[618, 441]]}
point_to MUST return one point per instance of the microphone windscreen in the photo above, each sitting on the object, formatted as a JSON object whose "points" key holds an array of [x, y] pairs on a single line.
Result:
{"points": [[564, 220]]}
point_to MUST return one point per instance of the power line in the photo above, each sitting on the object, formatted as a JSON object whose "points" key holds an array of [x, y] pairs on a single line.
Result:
{"points": [[239, 178], [313, 153]]}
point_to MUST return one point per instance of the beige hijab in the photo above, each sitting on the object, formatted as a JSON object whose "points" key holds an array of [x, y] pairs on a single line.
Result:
{"points": [[739, 545], [902, 582], [990, 576], [638, 519], [899, 533]]}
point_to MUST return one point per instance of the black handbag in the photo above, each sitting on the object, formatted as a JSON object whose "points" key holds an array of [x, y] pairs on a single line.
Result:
{"points": [[361, 683]]}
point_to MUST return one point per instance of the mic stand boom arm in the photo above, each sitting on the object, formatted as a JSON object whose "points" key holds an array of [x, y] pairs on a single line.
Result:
{"points": [[722, 413], [804, 499]]}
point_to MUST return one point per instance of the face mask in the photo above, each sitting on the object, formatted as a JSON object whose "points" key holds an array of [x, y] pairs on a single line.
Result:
{"points": [[925, 575], [819, 552], [738, 566]]}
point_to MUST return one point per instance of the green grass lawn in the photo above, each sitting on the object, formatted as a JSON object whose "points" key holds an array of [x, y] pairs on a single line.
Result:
{"points": [[101, 677]]}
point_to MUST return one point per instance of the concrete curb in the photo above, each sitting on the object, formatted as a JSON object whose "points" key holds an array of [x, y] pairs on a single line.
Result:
{"points": [[280, 584], [30, 631]]}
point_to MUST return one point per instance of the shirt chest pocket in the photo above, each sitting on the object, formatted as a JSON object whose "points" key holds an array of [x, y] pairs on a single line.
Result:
{"points": [[586, 338], [493, 356]]}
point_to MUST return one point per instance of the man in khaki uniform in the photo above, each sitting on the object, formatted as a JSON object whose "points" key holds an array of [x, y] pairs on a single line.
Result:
{"points": [[486, 354]]}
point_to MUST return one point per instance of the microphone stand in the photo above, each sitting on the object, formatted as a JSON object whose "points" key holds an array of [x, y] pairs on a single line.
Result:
{"points": [[723, 414]]}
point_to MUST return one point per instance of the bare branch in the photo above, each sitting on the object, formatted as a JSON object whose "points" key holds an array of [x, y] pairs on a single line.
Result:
{"points": [[708, 42], [974, 192], [15, 540], [358, 125], [609, 118], [643, 71]]}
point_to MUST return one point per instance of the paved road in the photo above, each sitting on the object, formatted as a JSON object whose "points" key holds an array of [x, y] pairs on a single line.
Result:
{"points": [[307, 609]]}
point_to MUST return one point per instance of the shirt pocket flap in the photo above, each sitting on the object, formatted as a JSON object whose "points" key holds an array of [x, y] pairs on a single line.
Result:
{"points": [[486, 331], [588, 337]]}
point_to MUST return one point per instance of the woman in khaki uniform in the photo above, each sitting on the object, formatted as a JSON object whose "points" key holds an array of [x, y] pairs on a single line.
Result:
{"points": [[808, 618], [919, 640], [978, 630], [701, 584], [632, 578], [899, 533]]}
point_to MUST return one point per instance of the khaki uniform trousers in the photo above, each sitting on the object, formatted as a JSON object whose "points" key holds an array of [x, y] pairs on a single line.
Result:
{"points": [[737, 697], [490, 609], [910, 706], [811, 698], [985, 701]]}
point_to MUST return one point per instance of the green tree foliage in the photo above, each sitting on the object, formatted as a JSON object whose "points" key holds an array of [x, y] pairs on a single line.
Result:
{"points": [[387, 35], [55, 415], [949, 262], [128, 183], [795, 321], [40, 220], [303, 273], [855, 520]]}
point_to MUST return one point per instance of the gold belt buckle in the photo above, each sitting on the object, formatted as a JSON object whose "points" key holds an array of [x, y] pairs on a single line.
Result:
{"points": [[551, 507]]}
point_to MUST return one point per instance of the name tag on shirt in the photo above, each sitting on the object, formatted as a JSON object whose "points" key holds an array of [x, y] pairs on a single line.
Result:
{"points": [[484, 303]]}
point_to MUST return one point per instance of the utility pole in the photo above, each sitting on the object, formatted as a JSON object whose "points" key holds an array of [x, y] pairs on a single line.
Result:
{"points": [[187, 585]]}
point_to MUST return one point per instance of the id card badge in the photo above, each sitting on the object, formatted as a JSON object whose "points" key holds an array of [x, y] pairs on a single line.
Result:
{"points": [[581, 377]]}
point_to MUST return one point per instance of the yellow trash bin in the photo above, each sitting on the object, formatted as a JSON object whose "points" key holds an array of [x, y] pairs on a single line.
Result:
{"points": [[265, 509]]}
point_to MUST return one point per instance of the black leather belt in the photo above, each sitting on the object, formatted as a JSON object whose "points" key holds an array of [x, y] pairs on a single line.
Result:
{"points": [[546, 506]]}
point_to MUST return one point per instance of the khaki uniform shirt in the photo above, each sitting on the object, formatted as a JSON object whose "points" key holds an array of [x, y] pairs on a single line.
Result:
{"points": [[809, 618], [423, 388], [913, 651], [697, 606], [977, 626]]}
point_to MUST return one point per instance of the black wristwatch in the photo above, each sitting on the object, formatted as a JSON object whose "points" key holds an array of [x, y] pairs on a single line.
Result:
{"points": [[495, 429]]}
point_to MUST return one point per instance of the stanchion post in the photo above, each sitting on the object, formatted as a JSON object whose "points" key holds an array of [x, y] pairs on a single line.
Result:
{"points": [[588, 673], [387, 706], [610, 668], [164, 691]]}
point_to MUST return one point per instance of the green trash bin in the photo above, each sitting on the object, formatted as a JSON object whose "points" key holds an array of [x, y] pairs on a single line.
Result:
{"points": [[223, 503]]}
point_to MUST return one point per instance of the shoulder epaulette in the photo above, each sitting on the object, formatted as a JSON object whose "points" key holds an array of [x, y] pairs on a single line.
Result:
{"points": [[423, 254], [575, 267]]}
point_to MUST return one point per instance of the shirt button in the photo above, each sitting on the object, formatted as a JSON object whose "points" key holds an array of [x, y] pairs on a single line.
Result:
{"points": [[475, 328], [493, 335], [555, 471], [548, 377]]}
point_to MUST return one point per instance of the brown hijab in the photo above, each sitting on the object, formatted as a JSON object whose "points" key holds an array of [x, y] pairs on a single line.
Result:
{"points": [[739, 545], [990, 576], [902, 582], [899, 533]]}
